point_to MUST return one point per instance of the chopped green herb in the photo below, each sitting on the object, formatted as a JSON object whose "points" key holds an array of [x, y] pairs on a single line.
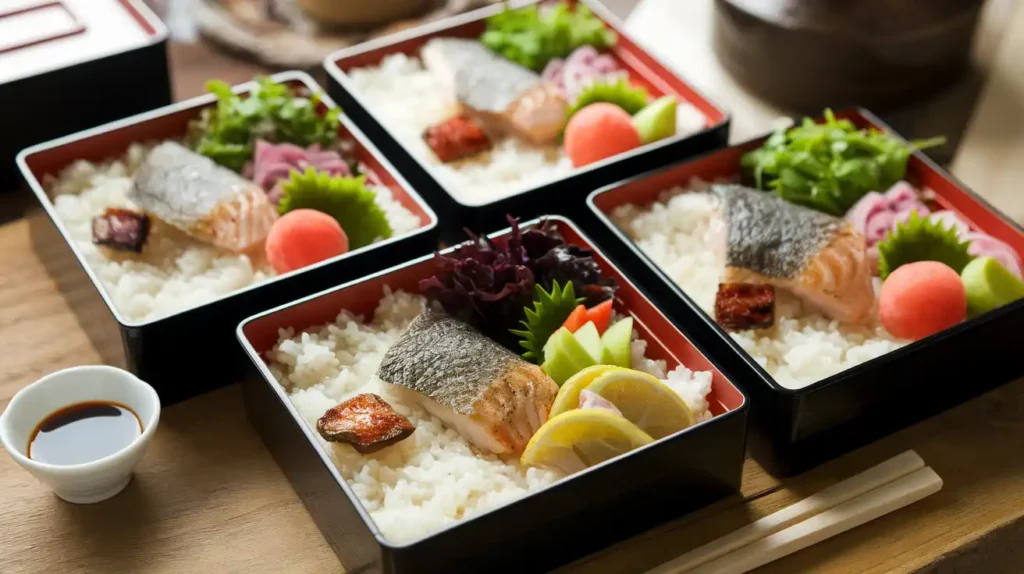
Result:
{"points": [[830, 166], [533, 36], [227, 132]]}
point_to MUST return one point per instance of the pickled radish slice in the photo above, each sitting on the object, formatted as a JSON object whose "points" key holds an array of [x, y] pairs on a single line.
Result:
{"points": [[986, 245]]}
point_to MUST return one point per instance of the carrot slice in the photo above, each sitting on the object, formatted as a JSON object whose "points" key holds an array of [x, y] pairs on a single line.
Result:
{"points": [[601, 315], [576, 319]]}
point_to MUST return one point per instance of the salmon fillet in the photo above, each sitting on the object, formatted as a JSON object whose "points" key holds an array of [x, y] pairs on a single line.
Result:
{"points": [[539, 115], [821, 259], [489, 395], [504, 97], [209, 202]]}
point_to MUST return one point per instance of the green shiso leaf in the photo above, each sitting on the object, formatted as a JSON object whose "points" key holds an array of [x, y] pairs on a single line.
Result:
{"points": [[621, 93], [227, 132], [831, 165], [922, 239], [346, 199], [533, 36], [549, 311]]}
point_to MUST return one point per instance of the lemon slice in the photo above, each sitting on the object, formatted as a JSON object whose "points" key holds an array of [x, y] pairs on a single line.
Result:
{"points": [[577, 439], [568, 397], [645, 401]]}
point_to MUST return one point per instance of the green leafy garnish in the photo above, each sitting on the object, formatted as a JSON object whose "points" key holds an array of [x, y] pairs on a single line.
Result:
{"points": [[549, 311], [227, 132], [533, 36], [922, 239], [346, 199], [620, 92], [830, 166]]}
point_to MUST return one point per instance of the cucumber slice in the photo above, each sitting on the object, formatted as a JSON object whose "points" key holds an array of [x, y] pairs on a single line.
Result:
{"points": [[564, 356], [657, 121], [617, 342], [588, 336], [989, 285]]}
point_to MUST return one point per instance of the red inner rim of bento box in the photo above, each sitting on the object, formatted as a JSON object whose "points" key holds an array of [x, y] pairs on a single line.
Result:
{"points": [[143, 22], [664, 341], [644, 70], [113, 143], [726, 163]]}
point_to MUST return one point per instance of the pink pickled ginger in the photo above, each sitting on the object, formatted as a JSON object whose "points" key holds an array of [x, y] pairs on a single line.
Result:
{"points": [[272, 164], [582, 67], [878, 213]]}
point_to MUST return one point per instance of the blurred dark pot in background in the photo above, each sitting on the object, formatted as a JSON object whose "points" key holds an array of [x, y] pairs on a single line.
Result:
{"points": [[804, 55], [361, 12]]}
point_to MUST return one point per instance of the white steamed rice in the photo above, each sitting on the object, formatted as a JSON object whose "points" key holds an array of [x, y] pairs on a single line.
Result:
{"points": [[174, 272], [433, 478], [407, 99], [803, 348]]}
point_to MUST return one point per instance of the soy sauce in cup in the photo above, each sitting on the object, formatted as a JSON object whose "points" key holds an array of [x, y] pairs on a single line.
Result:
{"points": [[84, 432], [81, 431]]}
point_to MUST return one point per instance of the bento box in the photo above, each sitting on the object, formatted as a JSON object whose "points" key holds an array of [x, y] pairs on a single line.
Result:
{"points": [[437, 102], [172, 241], [821, 382], [384, 512], [62, 67]]}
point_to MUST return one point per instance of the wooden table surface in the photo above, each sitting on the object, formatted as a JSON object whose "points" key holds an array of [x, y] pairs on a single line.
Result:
{"points": [[209, 498]]}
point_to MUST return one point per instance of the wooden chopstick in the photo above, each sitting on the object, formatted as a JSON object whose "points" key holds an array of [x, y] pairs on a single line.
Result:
{"points": [[850, 514], [857, 485]]}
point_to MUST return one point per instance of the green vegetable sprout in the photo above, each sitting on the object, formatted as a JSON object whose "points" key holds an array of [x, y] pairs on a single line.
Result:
{"points": [[922, 239], [619, 92], [549, 311], [227, 133], [533, 36], [830, 166], [346, 199]]}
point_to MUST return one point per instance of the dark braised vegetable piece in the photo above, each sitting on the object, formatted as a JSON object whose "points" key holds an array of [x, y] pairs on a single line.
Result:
{"points": [[741, 306], [456, 138], [121, 229], [489, 283], [367, 422]]}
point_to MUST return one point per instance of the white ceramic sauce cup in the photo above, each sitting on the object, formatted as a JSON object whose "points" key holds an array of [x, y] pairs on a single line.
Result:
{"points": [[89, 482]]}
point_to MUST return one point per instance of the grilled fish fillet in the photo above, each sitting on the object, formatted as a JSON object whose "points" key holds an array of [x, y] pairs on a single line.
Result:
{"points": [[209, 202], [489, 395], [502, 95], [819, 258]]}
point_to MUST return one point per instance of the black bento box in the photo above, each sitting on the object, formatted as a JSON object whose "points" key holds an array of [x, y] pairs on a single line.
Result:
{"points": [[192, 351], [564, 195], [562, 522], [62, 70], [796, 429]]}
